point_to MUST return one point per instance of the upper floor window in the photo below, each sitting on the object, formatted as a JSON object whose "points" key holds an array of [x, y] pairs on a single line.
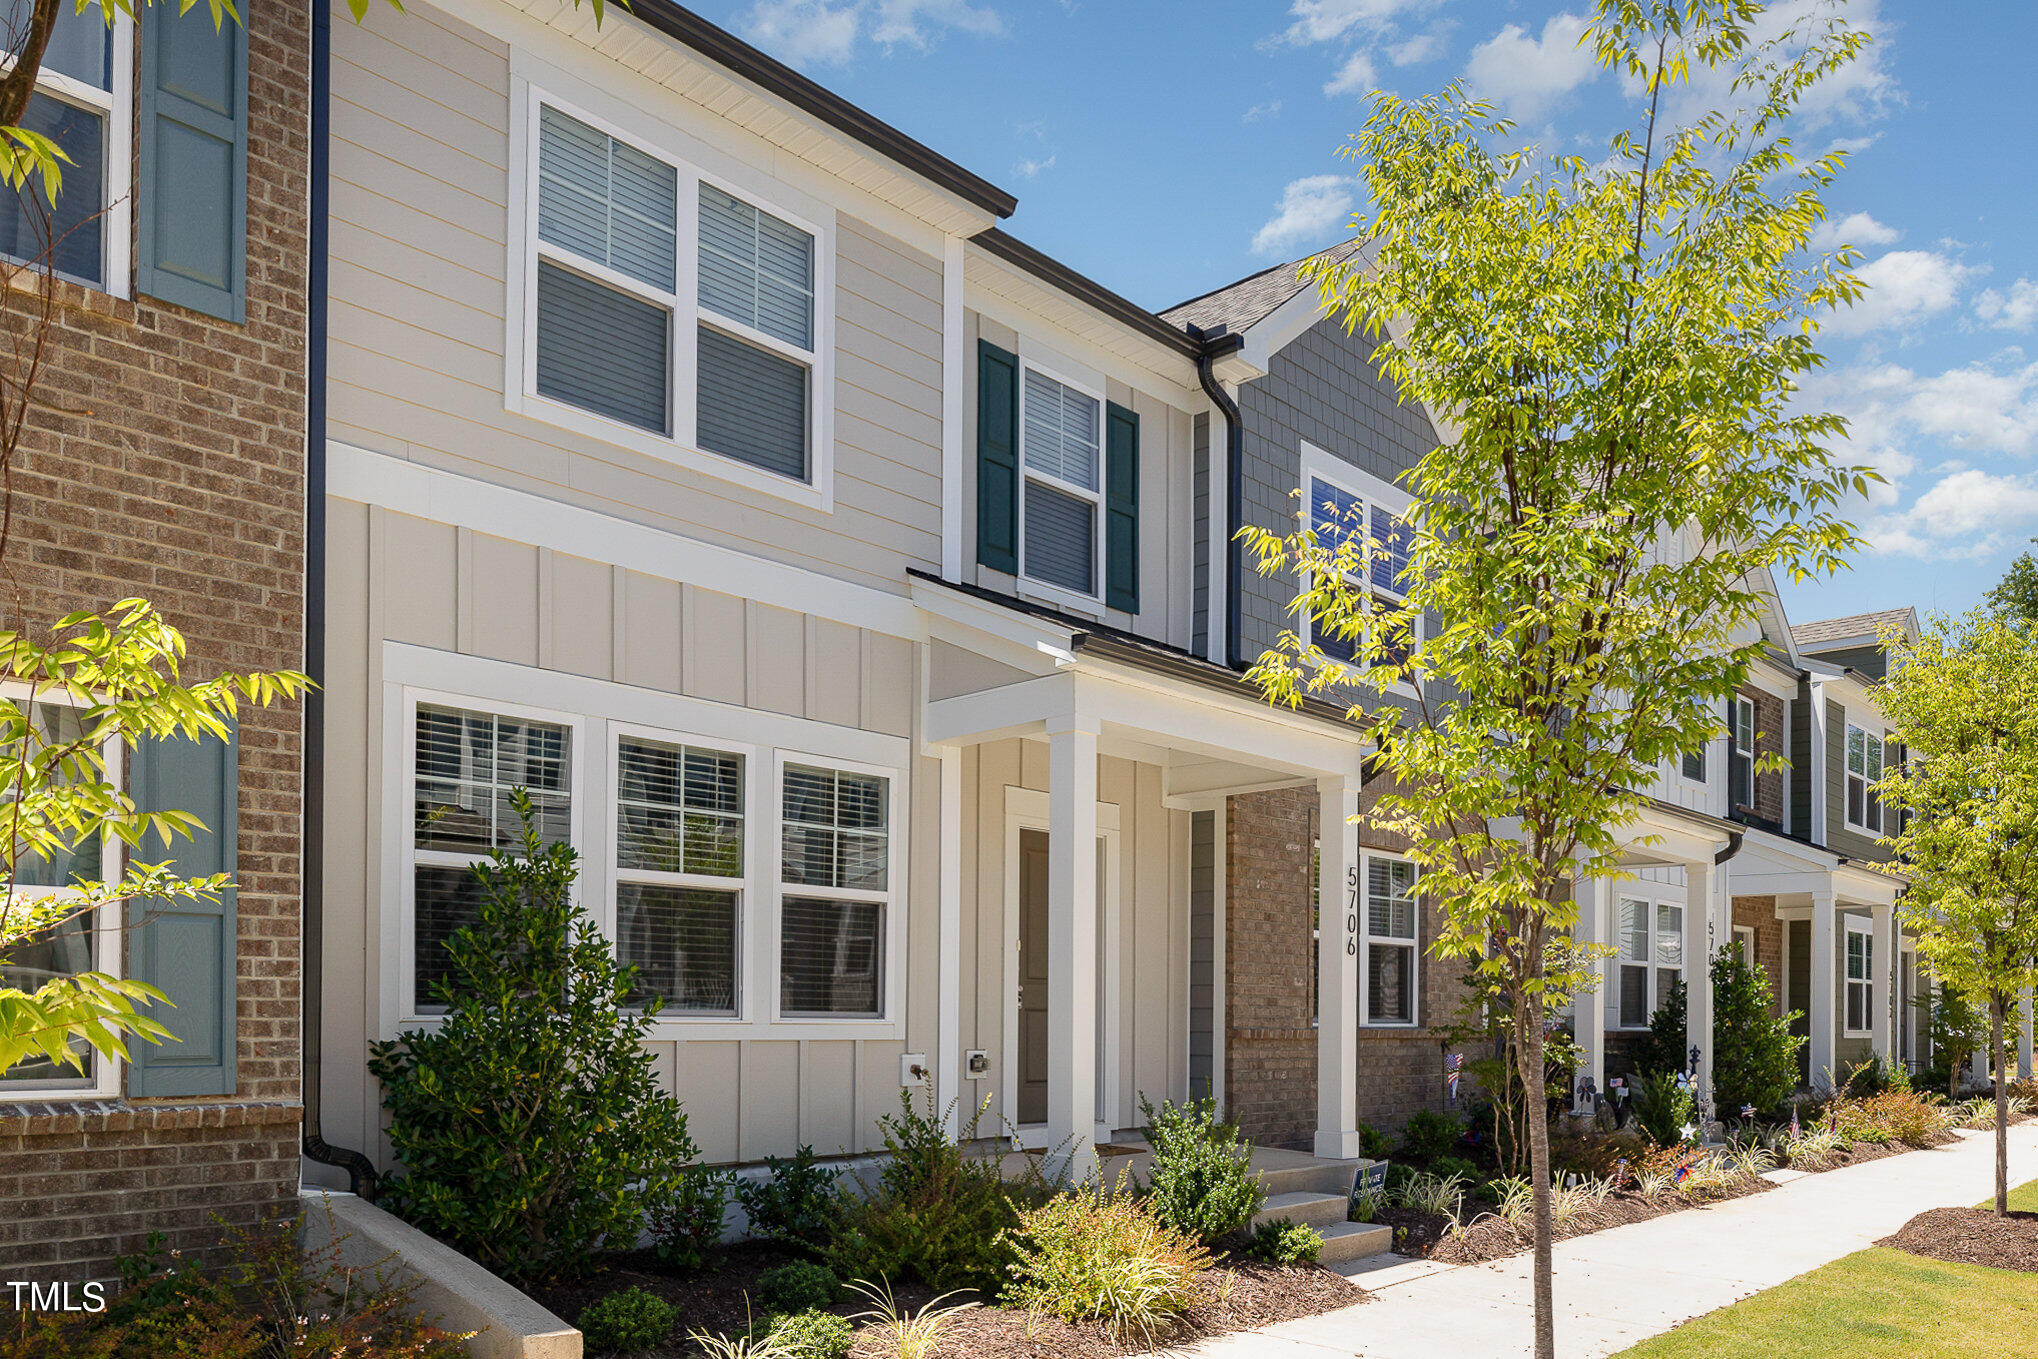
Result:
{"points": [[1348, 508], [1864, 771], [1061, 434], [1741, 758], [82, 102], [685, 316]]}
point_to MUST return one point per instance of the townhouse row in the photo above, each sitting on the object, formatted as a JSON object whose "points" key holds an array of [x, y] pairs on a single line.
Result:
{"points": [[612, 412]]}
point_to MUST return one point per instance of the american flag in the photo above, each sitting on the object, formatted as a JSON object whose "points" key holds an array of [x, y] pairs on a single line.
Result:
{"points": [[1452, 1070]]}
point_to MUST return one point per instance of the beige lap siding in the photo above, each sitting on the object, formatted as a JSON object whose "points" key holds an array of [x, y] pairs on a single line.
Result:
{"points": [[175, 471]]}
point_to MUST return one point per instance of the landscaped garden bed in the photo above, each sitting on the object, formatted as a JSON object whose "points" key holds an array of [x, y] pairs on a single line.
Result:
{"points": [[1971, 1236]]}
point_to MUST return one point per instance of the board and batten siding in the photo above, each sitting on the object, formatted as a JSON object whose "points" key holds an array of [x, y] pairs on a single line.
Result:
{"points": [[420, 201], [1166, 489], [401, 579]]}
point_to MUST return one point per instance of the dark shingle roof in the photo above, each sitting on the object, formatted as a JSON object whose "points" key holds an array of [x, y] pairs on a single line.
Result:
{"points": [[1250, 300], [1811, 636]]}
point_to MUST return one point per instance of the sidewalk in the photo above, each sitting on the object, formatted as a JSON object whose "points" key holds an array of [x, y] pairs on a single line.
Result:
{"points": [[1617, 1287]]}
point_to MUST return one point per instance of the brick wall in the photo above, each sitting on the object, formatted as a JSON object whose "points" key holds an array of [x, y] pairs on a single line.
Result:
{"points": [[1770, 739], [172, 467], [1270, 1061], [1759, 914]]}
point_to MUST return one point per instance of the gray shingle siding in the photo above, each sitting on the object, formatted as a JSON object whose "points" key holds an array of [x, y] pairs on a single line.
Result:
{"points": [[1321, 389], [1801, 762], [1869, 660], [1199, 550]]}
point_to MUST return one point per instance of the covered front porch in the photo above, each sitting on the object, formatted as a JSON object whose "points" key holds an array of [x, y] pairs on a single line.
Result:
{"points": [[1074, 890]]}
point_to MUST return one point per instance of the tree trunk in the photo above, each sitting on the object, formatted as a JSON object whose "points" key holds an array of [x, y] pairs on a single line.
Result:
{"points": [[1529, 1059], [1998, 1005]]}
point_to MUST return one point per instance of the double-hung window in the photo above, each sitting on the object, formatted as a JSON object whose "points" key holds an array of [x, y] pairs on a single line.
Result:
{"points": [[81, 102], [835, 892], [466, 765], [1392, 957], [1741, 758], [77, 943], [681, 313], [1864, 771], [1362, 519], [1650, 957], [679, 872], [1061, 436], [1860, 976]]}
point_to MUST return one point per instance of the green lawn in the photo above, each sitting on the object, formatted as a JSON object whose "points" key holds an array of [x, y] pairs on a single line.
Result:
{"points": [[2023, 1198], [1876, 1304]]}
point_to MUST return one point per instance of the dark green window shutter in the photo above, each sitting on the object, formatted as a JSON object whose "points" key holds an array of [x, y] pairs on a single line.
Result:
{"points": [[1121, 509], [192, 187], [185, 948], [997, 458]]}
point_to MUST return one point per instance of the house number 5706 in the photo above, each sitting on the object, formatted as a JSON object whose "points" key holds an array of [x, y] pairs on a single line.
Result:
{"points": [[1352, 912]]}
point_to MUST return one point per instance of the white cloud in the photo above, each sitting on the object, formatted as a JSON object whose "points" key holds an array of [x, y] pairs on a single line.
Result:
{"points": [[1979, 407], [1356, 76], [828, 32], [2016, 309], [1032, 169], [1969, 513], [1261, 111], [1329, 20], [1857, 229], [1310, 210], [1904, 287], [1424, 46], [1528, 75]]}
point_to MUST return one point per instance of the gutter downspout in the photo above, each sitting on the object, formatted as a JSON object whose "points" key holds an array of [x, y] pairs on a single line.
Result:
{"points": [[1215, 346], [360, 1170]]}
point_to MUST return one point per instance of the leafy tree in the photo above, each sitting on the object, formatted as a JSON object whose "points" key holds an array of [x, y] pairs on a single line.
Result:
{"points": [[1613, 346], [1954, 1029], [1754, 1051], [1964, 699], [2016, 595], [530, 1122], [94, 682]]}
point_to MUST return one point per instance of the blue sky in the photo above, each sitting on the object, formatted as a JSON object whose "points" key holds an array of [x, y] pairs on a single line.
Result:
{"points": [[1165, 147]]}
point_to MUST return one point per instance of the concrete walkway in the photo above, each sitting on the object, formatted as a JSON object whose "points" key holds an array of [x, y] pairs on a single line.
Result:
{"points": [[1617, 1287]]}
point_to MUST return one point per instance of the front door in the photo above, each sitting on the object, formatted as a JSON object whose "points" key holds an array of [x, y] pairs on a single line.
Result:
{"points": [[1032, 976]]}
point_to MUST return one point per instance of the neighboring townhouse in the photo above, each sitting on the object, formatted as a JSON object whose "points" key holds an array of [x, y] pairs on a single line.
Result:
{"points": [[166, 459]]}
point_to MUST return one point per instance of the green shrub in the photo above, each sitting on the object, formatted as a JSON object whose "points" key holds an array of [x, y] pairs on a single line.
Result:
{"points": [[1285, 1243], [795, 1205], [627, 1322], [686, 1222], [1874, 1076], [811, 1335], [1754, 1051], [1663, 1108], [1430, 1135], [530, 1121], [1201, 1183], [1444, 1167], [798, 1287], [1373, 1144], [1666, 1046], [935, 1216], [1087, 1256]]}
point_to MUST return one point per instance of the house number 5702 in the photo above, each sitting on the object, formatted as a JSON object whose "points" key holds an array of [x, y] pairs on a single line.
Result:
{"points": [[1352, 912]]}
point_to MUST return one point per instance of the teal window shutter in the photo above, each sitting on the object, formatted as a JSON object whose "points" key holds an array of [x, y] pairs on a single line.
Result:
{"points": [[997, 458], [191, 189], [1121, 509], [186, 948]]}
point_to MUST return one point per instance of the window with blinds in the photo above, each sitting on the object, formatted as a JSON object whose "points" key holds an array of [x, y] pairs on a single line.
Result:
{"points": [[465, 766], [835, 876], [679, 873], [1373, 548], [1391, 941], [1061, 435], [1634, 963], [1860, 978]]}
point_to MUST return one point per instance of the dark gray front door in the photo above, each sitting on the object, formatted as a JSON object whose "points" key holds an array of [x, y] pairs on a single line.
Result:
{"points": [[1032, 976]]}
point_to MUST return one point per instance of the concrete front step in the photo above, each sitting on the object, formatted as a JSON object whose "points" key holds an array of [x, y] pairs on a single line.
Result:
{"points": [[1316, 1210], [1353, 1241]]}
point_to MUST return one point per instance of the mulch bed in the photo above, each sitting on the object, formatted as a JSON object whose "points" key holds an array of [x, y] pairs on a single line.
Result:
{"points": [[1971, 1236], [1237, 1294]]}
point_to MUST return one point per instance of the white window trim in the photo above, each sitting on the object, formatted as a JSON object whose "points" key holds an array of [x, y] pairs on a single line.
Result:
{"points": [[1744, 942], [414, 674], [520, 384], [890, 951], [1653, 896], [107, 952], [116, 106], [1091, 604], [1735, 748], [1367, 939], [743, 886], [1375, 494], [1866, 929], [1870, 731]]}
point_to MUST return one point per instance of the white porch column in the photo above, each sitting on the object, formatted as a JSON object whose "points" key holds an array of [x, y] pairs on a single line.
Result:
{"points": [[1071, 947], [1699, 928], [948, 1044], [2024, 1037], [1882, 1023], [1588, 1009], [1337, 957], [1825, 983]]}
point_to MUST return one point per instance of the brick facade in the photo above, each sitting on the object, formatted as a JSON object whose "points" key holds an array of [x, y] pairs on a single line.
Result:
{"points": [[1771, 739], [1759, 914], [1270, 1053], [174, 470]]}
